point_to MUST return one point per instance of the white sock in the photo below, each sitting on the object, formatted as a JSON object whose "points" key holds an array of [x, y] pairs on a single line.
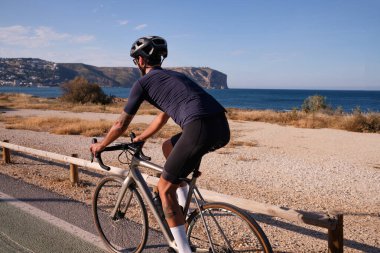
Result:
{"points": [[182, 195], [179, 234]]}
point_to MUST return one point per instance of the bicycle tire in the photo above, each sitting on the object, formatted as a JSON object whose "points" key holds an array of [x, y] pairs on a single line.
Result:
{"points": [[128, 231], [242, 232]]}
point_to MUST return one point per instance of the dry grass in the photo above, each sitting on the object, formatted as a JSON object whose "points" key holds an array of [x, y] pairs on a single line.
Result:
{"points": [[61, 126], [235, 143], [73, 126], [356, 122], [246, 158], [25, 101]]}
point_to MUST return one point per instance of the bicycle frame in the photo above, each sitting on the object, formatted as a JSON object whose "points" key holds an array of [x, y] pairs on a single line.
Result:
{"points": [[135, 177]]}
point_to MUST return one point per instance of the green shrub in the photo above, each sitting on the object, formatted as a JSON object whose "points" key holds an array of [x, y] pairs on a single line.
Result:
{"points": [[339, 110], [315, 103], [79, 90]]}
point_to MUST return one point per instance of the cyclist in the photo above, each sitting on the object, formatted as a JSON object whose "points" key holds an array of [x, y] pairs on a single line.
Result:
{"points": [[201, 118]]}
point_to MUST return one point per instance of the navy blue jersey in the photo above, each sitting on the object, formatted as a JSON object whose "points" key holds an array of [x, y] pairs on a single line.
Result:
{"points": [[173, 93]]}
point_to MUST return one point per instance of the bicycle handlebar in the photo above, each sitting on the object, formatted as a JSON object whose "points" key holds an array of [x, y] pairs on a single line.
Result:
{"points": [[135, 147]]}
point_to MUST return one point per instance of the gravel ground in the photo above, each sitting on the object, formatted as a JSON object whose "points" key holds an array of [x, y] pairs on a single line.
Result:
{"points": [[320, 170]]}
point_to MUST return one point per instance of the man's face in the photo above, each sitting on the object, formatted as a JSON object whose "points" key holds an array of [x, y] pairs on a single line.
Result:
{"points": [[140, 63]]}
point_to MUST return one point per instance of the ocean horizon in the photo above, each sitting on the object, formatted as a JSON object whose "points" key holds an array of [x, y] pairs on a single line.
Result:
{"points": [[243, 98]]}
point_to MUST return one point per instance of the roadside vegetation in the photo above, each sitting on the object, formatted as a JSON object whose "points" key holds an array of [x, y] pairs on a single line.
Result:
{"points": [[314, 112], [9, 101], [90, 128], [75, 126], [81, 91]]}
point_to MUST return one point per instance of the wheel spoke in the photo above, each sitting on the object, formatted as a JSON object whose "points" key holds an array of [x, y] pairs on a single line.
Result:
{"points": [[127, 230], [230, 229]]}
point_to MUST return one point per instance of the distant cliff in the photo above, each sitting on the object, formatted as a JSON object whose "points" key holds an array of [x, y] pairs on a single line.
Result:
{"points": [[206, 77], [34, 72]]}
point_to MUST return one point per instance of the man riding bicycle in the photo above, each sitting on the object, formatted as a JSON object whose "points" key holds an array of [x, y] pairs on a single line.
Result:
{"points": [[201, 118]]}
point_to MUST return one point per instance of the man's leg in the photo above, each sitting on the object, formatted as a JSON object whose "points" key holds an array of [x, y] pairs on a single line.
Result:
{"points": [[183, 188], [167, 148], [172, 211], [182, 153], [173, 214]]}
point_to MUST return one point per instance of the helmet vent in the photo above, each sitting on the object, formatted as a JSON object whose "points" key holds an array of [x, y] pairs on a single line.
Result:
{"points": [[151, 48]]}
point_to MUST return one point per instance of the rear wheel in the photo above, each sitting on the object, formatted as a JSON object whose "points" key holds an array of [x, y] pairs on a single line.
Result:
{"points": [[230, 230], [127, 230]]}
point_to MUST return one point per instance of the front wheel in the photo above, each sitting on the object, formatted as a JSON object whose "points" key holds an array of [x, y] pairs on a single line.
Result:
{"points": [[230, 229], [127, 229]]}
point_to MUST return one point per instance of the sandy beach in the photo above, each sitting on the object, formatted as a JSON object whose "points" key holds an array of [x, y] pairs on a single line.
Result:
{"points": [[321, 170]]}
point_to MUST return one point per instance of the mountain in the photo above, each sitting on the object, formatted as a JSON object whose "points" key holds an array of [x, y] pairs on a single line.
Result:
{"points": [[34, 72]]}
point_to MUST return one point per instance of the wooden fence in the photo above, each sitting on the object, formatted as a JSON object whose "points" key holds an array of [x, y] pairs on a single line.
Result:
{"points": [[333, 223]]}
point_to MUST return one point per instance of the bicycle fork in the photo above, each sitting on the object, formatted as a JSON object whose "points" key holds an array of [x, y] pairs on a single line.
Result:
{"points": [[135, 177], [127, 182]]}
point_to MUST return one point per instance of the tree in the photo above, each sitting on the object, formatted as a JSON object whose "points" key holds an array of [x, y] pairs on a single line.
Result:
{"points": [[79, 90]]}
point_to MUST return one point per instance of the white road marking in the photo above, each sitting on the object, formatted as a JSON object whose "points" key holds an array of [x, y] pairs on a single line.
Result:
{"points": [[12, 244], [70, 228]]}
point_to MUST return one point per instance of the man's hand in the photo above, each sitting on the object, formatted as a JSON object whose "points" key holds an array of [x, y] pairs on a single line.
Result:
{"points": [[96, 148], [115, 132], [138, 138]]}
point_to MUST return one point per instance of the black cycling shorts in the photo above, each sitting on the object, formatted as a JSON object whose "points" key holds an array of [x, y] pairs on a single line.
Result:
{"points": [[197, 138]]}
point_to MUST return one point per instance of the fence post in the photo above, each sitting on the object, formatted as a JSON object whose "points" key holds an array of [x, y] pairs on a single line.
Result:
{"points": [[336, 236], [6, 154], [74, 178]]}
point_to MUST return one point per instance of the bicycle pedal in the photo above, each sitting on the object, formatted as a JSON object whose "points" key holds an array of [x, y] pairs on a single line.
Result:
{"points": [[171, 250]]}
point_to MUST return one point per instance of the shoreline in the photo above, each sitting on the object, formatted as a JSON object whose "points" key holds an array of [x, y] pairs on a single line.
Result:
{"points": [[241, 88], [276, 102]]}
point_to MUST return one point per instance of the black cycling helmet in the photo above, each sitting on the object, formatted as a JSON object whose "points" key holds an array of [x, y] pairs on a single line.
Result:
{"points": [[149, 47]]}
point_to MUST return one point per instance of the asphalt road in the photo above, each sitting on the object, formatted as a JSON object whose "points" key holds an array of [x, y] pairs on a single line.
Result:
{"points": [[33, 219], [21, 231]]}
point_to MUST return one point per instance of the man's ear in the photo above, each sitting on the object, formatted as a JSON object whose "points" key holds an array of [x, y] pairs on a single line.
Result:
{"points": [[141, 61]]}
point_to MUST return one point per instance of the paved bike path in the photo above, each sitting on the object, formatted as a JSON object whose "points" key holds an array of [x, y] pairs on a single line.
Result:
{"points": [[21, 231], [41, 231]]}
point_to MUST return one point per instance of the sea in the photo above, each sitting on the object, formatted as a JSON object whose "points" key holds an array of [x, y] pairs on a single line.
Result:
{"points": [[260, 99]]}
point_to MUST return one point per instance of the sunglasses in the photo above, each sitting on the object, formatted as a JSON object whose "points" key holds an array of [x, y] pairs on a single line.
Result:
{"points": [[136, 61]]}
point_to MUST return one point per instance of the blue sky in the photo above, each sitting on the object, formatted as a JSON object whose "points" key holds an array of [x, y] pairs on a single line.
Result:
{"points": [[288, 44]]}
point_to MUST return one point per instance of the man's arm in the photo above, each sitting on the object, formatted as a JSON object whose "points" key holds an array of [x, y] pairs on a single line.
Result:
{"points": [[158, 122], [118, 128]]}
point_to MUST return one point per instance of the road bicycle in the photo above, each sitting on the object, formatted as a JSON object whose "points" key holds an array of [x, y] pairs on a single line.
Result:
{"points": [[121, 216]]}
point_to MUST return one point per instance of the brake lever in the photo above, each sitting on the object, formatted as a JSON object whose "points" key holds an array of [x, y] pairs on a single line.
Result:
{"points": [[99, 158], [144, 157], [94, 140], [141, 154], [132, 135]]}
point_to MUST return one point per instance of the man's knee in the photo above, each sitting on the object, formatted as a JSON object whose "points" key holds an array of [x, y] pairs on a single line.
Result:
{"points": [[167, 147], [166, 187], [172, 211], [167, 192]]}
